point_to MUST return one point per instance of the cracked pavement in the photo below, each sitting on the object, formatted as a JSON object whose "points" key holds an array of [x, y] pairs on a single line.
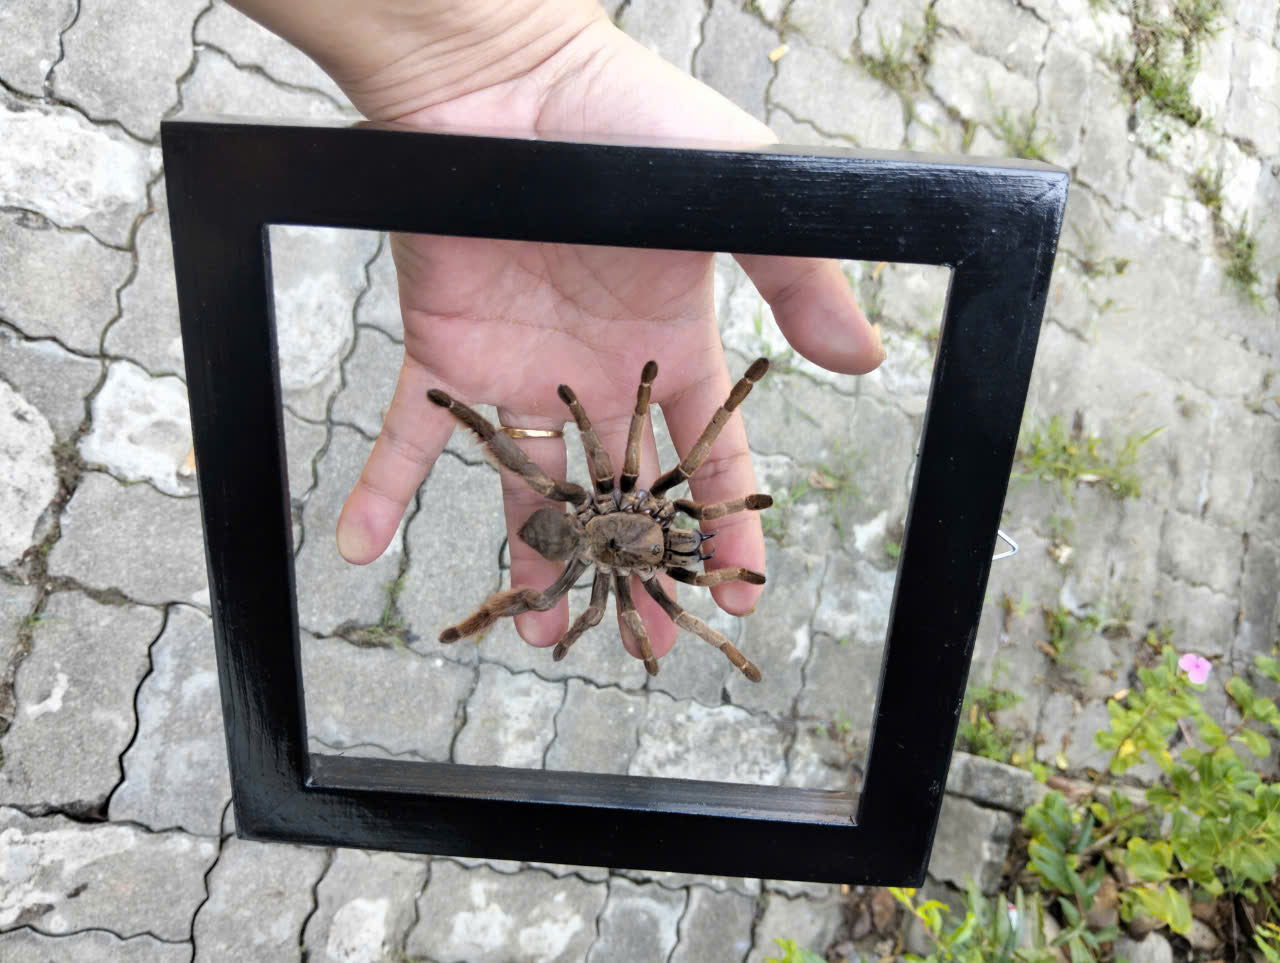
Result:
{"points": [[116, 830]]}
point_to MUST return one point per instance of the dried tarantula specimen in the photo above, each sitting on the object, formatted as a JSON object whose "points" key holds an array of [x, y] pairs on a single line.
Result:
{"points": [[621, 530]]}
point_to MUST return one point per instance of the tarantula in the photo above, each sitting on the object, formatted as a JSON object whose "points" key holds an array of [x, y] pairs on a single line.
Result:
{"points": [[621, 530]]}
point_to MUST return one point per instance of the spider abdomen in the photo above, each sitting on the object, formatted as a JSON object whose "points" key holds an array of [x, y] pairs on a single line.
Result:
{"points": [[624, 540]]}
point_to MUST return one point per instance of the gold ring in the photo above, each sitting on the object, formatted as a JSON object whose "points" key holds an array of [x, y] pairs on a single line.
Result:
{"points": [[532, 432]]}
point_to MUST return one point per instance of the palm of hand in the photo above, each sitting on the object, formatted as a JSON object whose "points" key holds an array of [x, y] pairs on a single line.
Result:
{"points": [[505, 322]]}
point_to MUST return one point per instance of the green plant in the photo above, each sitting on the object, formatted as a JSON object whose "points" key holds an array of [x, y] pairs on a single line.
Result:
{"points": [[1166, 55], [992, 929], [1210, 827], [978, 732], [390, 630], [1241, 251], [793, 952], [1051, 453], [1066, 630], [1020, 137]]}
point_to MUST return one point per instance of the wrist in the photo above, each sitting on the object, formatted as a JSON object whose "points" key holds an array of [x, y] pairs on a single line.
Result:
{"points": [[396, 57]]}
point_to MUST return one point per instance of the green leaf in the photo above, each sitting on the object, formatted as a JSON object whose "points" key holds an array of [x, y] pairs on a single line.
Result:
{"points": [[1254, 741], [1268, 667], [793, 952], [1149, 863]]}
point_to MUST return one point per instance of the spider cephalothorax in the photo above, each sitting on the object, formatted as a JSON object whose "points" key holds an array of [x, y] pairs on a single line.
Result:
{"points": [[621, 530]]}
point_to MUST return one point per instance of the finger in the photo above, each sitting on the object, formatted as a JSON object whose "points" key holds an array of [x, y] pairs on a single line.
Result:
{"points": [[413, 434], [519, 501], [816, 311], [726, 474], [612, 433]]}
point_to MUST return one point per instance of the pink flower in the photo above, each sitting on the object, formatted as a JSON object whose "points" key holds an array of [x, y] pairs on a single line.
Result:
{"points": [[1196, 667]]}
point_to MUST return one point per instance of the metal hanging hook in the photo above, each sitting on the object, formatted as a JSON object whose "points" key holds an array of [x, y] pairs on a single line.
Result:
{"points": [[1013, 546]]}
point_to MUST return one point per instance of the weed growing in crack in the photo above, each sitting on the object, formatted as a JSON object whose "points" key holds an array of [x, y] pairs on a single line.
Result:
{"points": [[901, 66], [1020, 136], [1237, 246], [1050, 453], [979, 733], [389, 631], [1166, 54]]}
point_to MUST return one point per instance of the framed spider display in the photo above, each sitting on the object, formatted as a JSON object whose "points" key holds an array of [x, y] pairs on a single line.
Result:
{"points": [[995, 224]]}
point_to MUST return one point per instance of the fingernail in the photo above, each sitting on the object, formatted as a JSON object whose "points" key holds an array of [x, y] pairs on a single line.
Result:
{"points": [[878, 335], [353, 541]]}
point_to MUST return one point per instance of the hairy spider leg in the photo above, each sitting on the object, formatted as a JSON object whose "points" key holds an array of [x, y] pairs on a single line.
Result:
{"points": [[700, 628], [717, 577], [751, 503], [508, 453], [702, 447], [589, 617], [631, 466], [597, 458], [514, 602], [631, 618]]}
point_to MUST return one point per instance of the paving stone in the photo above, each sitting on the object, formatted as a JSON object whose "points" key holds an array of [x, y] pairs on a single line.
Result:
{"points": [[1098, 30], [33, 30], [992, 783], [670, 28], [175, 771], [51, 378], [979, 87], [733, 57], [687, 740], [16, 603], [1259, 627], [842, 678], [1010, 34], [1252, 111], [75, 702], [26, 444], [776, 636], [302, 442], [592, 874], [250, 45], [60, 876], [596, 729], [391, 698], [331, 591], [510, 720], [364, 907], [125, 68], [147, 331], [380, 306], [814, 84], [218, 86], [58, 283], [1068, 727], [1245, 462], [716, 927], [479, 916], [247, 877], [318, 274], [1153, 948], [1202, 620], [638, 922], [141, 429], [90, 947], [460, 521], [971, 843], [1071, 91], [106, 522], [747, 886], [1203, 554], [811, 923], [832, 23], [819, 759], [75, 173], [370, 373], [891, 27]]}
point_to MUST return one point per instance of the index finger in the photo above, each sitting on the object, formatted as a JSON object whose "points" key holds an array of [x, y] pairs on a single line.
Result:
{"points": [[723, 475]]}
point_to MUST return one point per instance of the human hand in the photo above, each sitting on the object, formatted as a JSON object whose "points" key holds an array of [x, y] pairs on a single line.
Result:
{"points": [[541, 314]]}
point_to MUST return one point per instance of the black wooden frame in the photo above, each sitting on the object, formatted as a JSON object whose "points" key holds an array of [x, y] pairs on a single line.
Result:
{"points": [[995, 223]]}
